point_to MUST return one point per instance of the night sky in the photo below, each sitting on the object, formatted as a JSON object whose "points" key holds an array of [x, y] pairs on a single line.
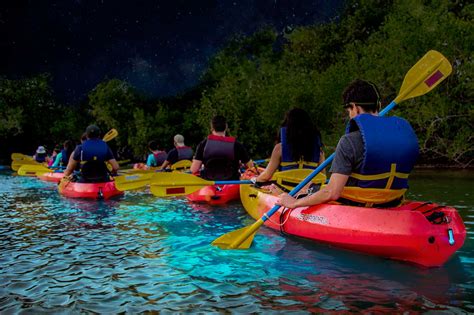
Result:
{"points": [[160, 47]]}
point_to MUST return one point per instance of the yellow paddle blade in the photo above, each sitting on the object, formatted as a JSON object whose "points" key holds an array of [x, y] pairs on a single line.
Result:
{"points": [[17, 164], [32, 170], [181, 165], [133, 181], [238, 239], [110, 135], [173, 191], [167, 184], [424, 76], [20, 157]]}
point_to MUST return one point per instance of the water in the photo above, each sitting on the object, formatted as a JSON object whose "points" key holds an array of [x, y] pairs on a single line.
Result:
{"points": [[140, 253]]}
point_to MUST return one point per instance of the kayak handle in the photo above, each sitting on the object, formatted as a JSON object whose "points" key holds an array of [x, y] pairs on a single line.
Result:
{"points": [[451, 237]]}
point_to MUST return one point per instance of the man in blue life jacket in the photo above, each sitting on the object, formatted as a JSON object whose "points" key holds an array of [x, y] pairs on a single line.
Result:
{"points": [[95, 153], [373, 159], [178, 153], [219, 154]]}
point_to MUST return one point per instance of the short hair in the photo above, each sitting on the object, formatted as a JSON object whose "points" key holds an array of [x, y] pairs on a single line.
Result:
{"points": [[219, 123], [364, 94], [153, 145], [179, 139], [92, 132]]}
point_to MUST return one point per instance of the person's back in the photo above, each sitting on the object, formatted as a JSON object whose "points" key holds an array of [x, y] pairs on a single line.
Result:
{"points": [[157, 156], [95, 153], [180, 152], [372, 161], [220, 155], [40, 155], [299, 147]]}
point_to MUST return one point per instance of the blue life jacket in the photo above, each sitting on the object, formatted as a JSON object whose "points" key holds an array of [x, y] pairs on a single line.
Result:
{"points": [[287, 162], [219, 158], [94, 153], [390, 151], [40, 157], [64, 157], [184, 153]]}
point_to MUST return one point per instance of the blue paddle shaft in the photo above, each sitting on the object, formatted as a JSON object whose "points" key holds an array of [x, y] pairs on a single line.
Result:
{"points": [[326, 162]]}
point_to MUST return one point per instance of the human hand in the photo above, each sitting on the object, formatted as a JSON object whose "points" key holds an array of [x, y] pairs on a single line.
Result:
{"points": [[286, 201]]}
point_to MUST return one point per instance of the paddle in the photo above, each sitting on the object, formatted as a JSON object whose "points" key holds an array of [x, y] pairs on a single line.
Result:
{"points": [[179, 184], [111, 134], [33, 170], [424, 76], [20, 157]]}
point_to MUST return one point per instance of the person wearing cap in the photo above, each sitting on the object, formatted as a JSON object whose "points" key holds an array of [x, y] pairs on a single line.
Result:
{"points": [[178, 153], [218, 157], [372, 160], [95, 153], [40, 155]]}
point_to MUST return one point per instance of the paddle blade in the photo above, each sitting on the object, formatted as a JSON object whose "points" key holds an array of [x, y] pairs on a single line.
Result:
{"points": [[238, 239], [173, 190], [131, 182], [424, 76], [181, 165], [32, 170], [111, 134], [17, 164], [20, 157]]}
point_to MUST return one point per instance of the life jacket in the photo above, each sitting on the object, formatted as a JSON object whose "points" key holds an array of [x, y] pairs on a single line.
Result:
{"points": [[390, 152], [287, 162], [65, 154], [184, 153], [40, 157], [160, 157], [219, 158], [94, 154]]}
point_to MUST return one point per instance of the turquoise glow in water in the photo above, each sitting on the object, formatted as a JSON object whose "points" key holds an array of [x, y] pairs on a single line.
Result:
{"points": [[139, 253]]}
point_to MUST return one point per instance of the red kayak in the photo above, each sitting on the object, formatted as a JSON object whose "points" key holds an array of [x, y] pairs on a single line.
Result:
{"points": [[423, 233], [89, 190], [216, 194], [51, 177]]}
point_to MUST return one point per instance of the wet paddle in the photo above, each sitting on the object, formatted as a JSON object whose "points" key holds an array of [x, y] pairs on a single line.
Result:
{"points": [[424, 76], [179, 184]]}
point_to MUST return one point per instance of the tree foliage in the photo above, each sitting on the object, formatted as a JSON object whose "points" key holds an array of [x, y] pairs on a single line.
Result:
{"points": [[255, 79]]}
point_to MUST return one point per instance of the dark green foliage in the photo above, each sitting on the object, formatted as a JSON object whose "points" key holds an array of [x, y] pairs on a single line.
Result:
{"points": [[255, 79]]}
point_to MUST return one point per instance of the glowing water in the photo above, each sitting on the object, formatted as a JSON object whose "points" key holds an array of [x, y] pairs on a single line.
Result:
{"points": [[140, 253]]}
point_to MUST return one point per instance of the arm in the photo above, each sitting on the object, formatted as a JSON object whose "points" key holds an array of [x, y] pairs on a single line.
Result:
{"points": [[272, 166], [150, 161], [57, 159], [115, 165], [196, 166], [330, 192], [71, 166], [165, 164]]}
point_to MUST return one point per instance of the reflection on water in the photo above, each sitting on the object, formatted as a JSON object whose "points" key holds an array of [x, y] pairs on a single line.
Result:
{"points": [[140, 253]]}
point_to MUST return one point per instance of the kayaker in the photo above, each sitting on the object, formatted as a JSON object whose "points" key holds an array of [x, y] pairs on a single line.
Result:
{"points": [[154, 159], [95, 153], [40, 155], [178, 153], [218, 157], [62, 159], [299, 147], [372, 160], [55, 155]]}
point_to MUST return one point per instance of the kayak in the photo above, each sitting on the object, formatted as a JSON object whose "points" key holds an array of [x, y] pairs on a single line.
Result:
{"points": [[89, 190], [215, 195], [54, 177], [422, 233]]}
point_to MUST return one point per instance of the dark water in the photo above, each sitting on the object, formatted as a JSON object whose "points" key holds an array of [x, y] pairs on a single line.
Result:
{"points": [[140, 253]]}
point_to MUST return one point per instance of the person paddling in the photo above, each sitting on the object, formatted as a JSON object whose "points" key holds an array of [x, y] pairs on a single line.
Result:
{"points": [[220, 155], [40, 155], [299, 147], [95, 153], [372, 160], [178, 153]]}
